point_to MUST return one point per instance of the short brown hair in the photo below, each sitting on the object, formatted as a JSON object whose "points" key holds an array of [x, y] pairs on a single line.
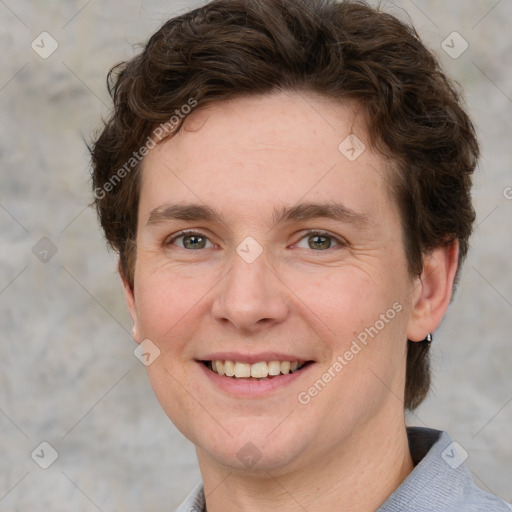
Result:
{"points": [[342, 50]]}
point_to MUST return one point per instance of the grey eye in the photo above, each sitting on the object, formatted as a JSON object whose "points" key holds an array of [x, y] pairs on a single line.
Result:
{"points": [[319, 242], [192, 241]]}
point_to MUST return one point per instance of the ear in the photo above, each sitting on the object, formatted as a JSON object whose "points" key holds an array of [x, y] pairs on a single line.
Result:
{"points": [[130, 303], [433, 291]]}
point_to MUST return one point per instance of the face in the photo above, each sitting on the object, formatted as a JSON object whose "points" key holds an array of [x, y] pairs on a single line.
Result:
{"points": [[259, 244]]}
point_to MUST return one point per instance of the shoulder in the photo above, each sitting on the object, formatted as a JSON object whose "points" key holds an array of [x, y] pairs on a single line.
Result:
{"points": [[195, 501], [440, 482]]}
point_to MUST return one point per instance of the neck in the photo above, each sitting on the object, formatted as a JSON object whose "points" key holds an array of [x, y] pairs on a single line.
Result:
{"points": [[357, 477]]}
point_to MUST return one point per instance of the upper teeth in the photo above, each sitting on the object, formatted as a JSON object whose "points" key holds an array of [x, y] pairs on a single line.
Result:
{"points": [[258, 370]]}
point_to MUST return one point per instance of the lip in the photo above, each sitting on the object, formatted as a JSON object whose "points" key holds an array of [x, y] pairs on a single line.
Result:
{"points": [[252, 358], [244, 388]]}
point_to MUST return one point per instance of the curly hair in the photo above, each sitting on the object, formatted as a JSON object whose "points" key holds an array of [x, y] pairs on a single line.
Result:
{"points": [[344, 50]]}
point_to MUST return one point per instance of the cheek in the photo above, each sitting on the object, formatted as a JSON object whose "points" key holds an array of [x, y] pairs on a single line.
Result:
{"points": [[363, 320], [171, 304], [347, 299]]}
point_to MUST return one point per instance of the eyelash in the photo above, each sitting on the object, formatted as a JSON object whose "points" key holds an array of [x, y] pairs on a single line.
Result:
{"points": [[326, 234], [181, 234], [170, 240]]}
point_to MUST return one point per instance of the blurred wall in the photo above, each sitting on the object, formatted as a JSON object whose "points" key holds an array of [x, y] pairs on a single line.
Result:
{"points": [[68, 375]]}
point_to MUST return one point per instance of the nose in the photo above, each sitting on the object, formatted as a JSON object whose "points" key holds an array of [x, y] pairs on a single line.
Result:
{"points": [[251, 297]]}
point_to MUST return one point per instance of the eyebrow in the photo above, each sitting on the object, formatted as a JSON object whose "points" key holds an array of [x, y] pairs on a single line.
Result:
{"points": [[334, 211], [181, 211], [299, 212]]}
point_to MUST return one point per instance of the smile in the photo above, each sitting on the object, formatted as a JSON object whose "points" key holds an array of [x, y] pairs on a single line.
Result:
{"points": [[262, 370]]}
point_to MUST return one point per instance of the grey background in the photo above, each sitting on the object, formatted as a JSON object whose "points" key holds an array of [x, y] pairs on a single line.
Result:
{"points": [[67, 372]]}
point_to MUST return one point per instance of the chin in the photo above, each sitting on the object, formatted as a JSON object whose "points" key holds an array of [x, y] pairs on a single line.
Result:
{"points": [[251, 460], [256, 449]]}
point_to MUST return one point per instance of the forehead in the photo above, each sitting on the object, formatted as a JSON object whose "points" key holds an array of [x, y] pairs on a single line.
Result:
{"points": [[251, 153]]}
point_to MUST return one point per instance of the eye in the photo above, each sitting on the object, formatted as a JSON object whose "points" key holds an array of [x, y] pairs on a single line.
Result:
{"points": [[318, 241], [190, 241]]}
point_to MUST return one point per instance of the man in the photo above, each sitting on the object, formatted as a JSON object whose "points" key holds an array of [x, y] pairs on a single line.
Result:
{"points": [[288, 183]]}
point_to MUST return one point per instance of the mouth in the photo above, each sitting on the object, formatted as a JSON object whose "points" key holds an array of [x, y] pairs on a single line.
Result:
{"points": [[258, 371]]}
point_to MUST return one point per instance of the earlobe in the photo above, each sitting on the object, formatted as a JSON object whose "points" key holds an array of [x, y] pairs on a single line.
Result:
{"points": [[434, 290], [130, 304]]}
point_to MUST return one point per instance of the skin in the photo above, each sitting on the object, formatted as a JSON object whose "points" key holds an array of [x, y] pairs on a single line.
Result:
{"points": [[244, 159]]}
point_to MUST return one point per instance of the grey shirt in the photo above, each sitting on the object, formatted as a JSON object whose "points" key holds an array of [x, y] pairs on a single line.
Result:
{"points": [[440, 482]]}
